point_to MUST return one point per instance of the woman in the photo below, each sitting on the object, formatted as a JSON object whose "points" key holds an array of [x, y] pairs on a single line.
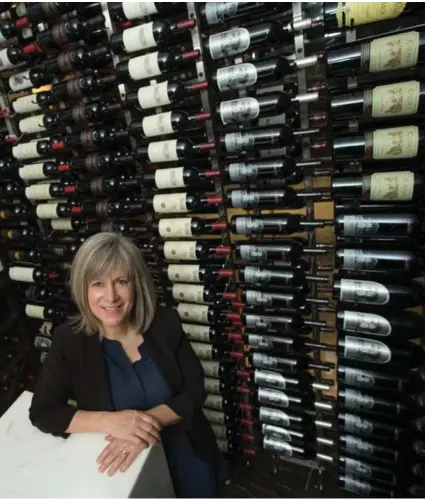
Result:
{"points": [[130, 369]]}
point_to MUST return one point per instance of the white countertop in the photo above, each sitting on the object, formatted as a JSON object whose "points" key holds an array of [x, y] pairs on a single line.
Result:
{"points": [[35, 464]]}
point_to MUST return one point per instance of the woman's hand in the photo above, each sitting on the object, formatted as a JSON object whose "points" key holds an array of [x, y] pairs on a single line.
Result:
{"points": [[118, 454], [133, 426]]}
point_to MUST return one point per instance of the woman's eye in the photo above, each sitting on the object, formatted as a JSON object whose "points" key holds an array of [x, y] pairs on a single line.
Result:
{"points": [[97, 284], [123, 282]]}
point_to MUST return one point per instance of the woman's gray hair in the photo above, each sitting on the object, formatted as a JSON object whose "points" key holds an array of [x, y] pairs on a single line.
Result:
{"points": [[97, 257]]}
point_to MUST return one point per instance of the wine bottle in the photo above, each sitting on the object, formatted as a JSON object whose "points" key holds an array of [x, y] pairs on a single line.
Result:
{"points": [[92, 138], [130, 227], [187, 227], [79, 58], [196, 273], [183, 202], [171, 150], [25, 233], [207, 351], [153, 64], [286, 364], [158, 33], [261, 198], [289, 278], [190, 250], [33, 77], [285, 449], [37, 148], [174, 178], [204, 314], [40, 11], [277, 398], [294, 300], [196, 293], [222, 370], [33, 274], [12, 57], [250, 139], [205, 334], [217, 417], [364, 488], [284, 168], [15, 28], [278, 417], [44, 313], [287, 251], [127, 11], [220, 403], [274, 224], [213, 13], [284, 323], [370, 450]]}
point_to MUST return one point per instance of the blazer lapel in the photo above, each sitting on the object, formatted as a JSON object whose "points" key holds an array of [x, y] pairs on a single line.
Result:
{"points": [[165, 363]]}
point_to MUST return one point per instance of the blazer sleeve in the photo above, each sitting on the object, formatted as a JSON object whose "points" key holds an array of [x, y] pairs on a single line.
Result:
{"points": [[192, 397], [49, 410]]}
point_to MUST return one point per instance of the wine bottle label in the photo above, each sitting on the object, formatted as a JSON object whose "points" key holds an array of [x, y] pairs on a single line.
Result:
{"points": [[144, 66], [169, 178], [372, 351], [202, 350], [197, 332], [38, 192], [237, 110], [258, 298], [273, 416], [354, 467], [364, 323], [392, 186], [20, 81], [223, 445], [261, 360], [269, 378], [153, 95], [256, 275], [358, 446], [137, 10], [26, 151], [185, 273], [367, 292], [357, 400], [212, 385], [238, 141], [175, 227], [26, 104], [188, 292], [180, 250], [165, 150], [393, 143], [215, 417], [219, 431], [277, 446], [214, 402], [33, 124], [211, 368], [190, 312], [273, 397], [351, 484], [218, 12], [359, 225], [256, 340], [236, 77], [158, 124], [244, 199], [398, 99], [248, 225], [251, 252], [273, 431], [35, 311], [228, 43], [349, 14], [358, 377], [394, 52], [47, 210], [23, 274], [355, 424], [138, 38], [1, 266], [240, 172], [170, 203], [357, 260], [5, 62], [35, 171], [62, 224]]}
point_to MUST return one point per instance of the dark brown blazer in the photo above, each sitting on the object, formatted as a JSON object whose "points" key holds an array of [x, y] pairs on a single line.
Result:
{"points": [[76, 369]]}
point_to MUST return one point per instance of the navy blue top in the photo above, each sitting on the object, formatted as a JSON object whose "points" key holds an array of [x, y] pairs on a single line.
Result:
{"points": [[141, 386]]}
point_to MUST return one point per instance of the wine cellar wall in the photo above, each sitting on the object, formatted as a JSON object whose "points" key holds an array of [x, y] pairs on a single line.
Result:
{"points": [[266, 158]]}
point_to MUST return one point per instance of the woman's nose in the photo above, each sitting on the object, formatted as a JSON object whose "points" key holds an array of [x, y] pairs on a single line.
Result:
{"points": [[110, 293]]}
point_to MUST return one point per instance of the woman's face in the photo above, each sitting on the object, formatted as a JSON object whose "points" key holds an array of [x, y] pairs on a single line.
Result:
{"points": [[111, 298]]}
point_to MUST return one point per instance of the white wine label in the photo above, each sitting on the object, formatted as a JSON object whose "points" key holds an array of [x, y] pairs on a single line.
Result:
{"points": [[214, 402], [394, 52], [228, 43], [1, 266], [248, 225], [277, 446], [269, 378], [164, 150], [274, 397], [188, 292], [251, 253], [62, 224], [27, 33], [180, 250], [358, 446], [47, 210], [255, 274], [26, 151], [38, 192], [20, 81], [256, 340], [253, 297], [244, 199], [273, 416], [355, 259], [202, 350], [26, 104], [158, 124], [354, 399], [197, 332], [273, 431], [358, 377], [170, 203], [183, 273], [35, 171], [192, 312], [23, 274], [218, 12], [215, 417], [355, 467], [219, 431], [238, 110], [223, 445], [238, 141], [395, 143], [359, 225], [212, 385], [351, 484], [137, 10], [240, 172], [367, 292], [144, 66], [372, 351], [35, 311], [138, 38], [33, 124], [175, 227], [398, 99], [153, 95], [169, 178], [350, 14], [211, 368], [269, 362], [5, 62], [364, 323], [236, 77], [392, 186], [355, 424]]}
